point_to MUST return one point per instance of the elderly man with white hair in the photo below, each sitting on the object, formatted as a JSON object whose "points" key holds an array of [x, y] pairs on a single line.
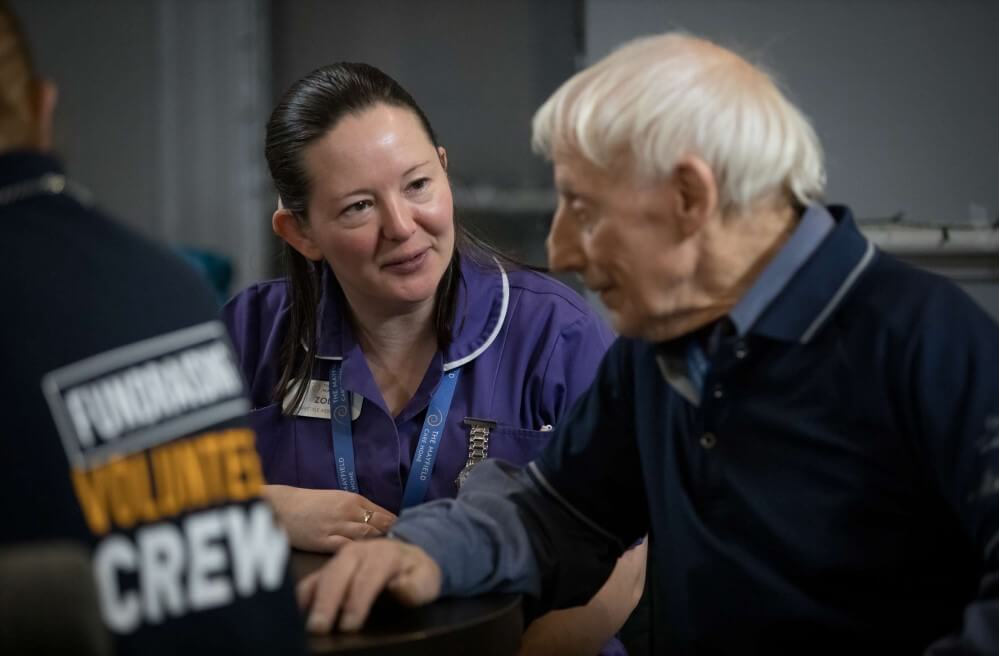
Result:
{"points": [[806, 428]]}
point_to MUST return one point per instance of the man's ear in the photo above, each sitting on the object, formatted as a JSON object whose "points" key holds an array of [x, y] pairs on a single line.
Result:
{"points": [[45, 94], [442, 156], [289, 228], [696, 193]]}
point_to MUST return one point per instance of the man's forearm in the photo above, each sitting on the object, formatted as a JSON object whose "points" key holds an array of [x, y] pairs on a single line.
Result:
{"points": [[504, 534], [478, 540]]}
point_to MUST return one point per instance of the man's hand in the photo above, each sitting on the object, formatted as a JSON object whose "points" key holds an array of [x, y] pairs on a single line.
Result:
{"points": [[349, 583], [325, 520]]}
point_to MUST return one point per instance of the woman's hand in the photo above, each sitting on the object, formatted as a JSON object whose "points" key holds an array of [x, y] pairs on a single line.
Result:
{"points": [[325, 520]]}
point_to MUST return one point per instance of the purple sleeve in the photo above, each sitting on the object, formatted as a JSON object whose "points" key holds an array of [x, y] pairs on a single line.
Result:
{"points": [[241, 316]]}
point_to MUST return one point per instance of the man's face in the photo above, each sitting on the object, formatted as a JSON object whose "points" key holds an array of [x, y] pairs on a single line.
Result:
{"points": [[621, 235]]}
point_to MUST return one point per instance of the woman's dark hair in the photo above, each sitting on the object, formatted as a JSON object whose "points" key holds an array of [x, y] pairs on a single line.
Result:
{"points": [[309, 109]]}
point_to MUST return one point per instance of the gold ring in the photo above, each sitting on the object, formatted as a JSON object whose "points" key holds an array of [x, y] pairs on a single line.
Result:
{"points": [[367, 516]]}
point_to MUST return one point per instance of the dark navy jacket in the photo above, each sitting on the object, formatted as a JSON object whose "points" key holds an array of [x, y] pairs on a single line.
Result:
{"points": [[122, 434], [835, 490]]}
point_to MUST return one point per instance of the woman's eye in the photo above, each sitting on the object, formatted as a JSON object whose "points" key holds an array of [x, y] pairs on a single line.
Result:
{"points": [[419, 184], [359, 206]]}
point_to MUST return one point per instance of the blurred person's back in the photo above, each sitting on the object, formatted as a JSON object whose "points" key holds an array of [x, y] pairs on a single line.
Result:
{"points": [[121, 428]]}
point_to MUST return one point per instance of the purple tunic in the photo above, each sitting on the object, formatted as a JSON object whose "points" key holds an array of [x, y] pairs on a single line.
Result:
{"points": [[527, 346]]}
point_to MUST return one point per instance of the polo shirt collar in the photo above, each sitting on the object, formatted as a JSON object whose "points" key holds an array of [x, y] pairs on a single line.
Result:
{"points": [[821, 283], [790, 300], [811, 229]]}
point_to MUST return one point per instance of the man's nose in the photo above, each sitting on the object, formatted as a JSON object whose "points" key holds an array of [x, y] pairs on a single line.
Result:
{"points": [[398, 221], [564, 252]]}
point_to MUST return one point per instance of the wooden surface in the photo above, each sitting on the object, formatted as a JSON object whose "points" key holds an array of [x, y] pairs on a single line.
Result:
{"points": [[485, 626]]}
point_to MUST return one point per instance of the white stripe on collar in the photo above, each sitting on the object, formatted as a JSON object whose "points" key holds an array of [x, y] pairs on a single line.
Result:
{"points": [[496, 329], [448, 366], [840, 293]]}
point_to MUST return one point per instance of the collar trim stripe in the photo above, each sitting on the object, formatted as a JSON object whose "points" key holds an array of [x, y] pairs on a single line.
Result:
{"points": [[454, 364], [840, 293]]}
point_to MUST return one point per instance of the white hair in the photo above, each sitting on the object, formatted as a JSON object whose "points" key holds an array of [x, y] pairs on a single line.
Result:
{"points": [[657, 99]]}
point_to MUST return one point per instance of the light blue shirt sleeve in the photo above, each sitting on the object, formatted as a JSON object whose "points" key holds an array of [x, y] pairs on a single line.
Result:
{"points": [[478, 539]]}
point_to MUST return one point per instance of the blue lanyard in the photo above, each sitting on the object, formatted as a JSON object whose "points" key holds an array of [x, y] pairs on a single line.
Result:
{"points": [[426, 449], [343, 437]]}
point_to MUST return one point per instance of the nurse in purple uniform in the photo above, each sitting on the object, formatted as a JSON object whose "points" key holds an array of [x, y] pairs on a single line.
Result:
{"points": [[400, 352]]}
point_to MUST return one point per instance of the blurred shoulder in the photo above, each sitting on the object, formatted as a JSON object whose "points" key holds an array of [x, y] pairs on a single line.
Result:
{"points": [[911, 302], [538, 299], [536, 290], [267, 295]]}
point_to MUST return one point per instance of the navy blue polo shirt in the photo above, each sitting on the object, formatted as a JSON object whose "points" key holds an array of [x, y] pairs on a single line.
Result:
{"points": [[832, 489], [825, 491]]}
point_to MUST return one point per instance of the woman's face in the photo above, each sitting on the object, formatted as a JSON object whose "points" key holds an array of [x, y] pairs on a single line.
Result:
{"points": [[380, 208]]}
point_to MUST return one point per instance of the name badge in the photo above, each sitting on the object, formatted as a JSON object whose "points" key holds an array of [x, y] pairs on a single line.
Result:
{"points": [[316, 402]]}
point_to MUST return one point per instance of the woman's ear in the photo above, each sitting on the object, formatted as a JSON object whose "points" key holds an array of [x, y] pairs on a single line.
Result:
{"points": [[442, 156], [695, 193], [287, 226]]}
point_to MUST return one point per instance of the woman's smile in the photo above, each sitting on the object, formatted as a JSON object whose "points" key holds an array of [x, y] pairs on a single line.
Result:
{"points": [[406, 264]]}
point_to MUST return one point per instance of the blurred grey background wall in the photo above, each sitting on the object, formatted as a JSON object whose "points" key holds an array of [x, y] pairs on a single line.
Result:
{"points": [[164, 101]]}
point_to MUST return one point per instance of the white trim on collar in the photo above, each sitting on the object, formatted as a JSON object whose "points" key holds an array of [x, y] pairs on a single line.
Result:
{"points": [[448, 366], [840, 293], [357, 400]]}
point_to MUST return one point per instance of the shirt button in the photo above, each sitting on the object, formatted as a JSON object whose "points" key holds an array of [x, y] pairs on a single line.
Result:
{"points": [[708, 440], [718, 392], [741, 351]]}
